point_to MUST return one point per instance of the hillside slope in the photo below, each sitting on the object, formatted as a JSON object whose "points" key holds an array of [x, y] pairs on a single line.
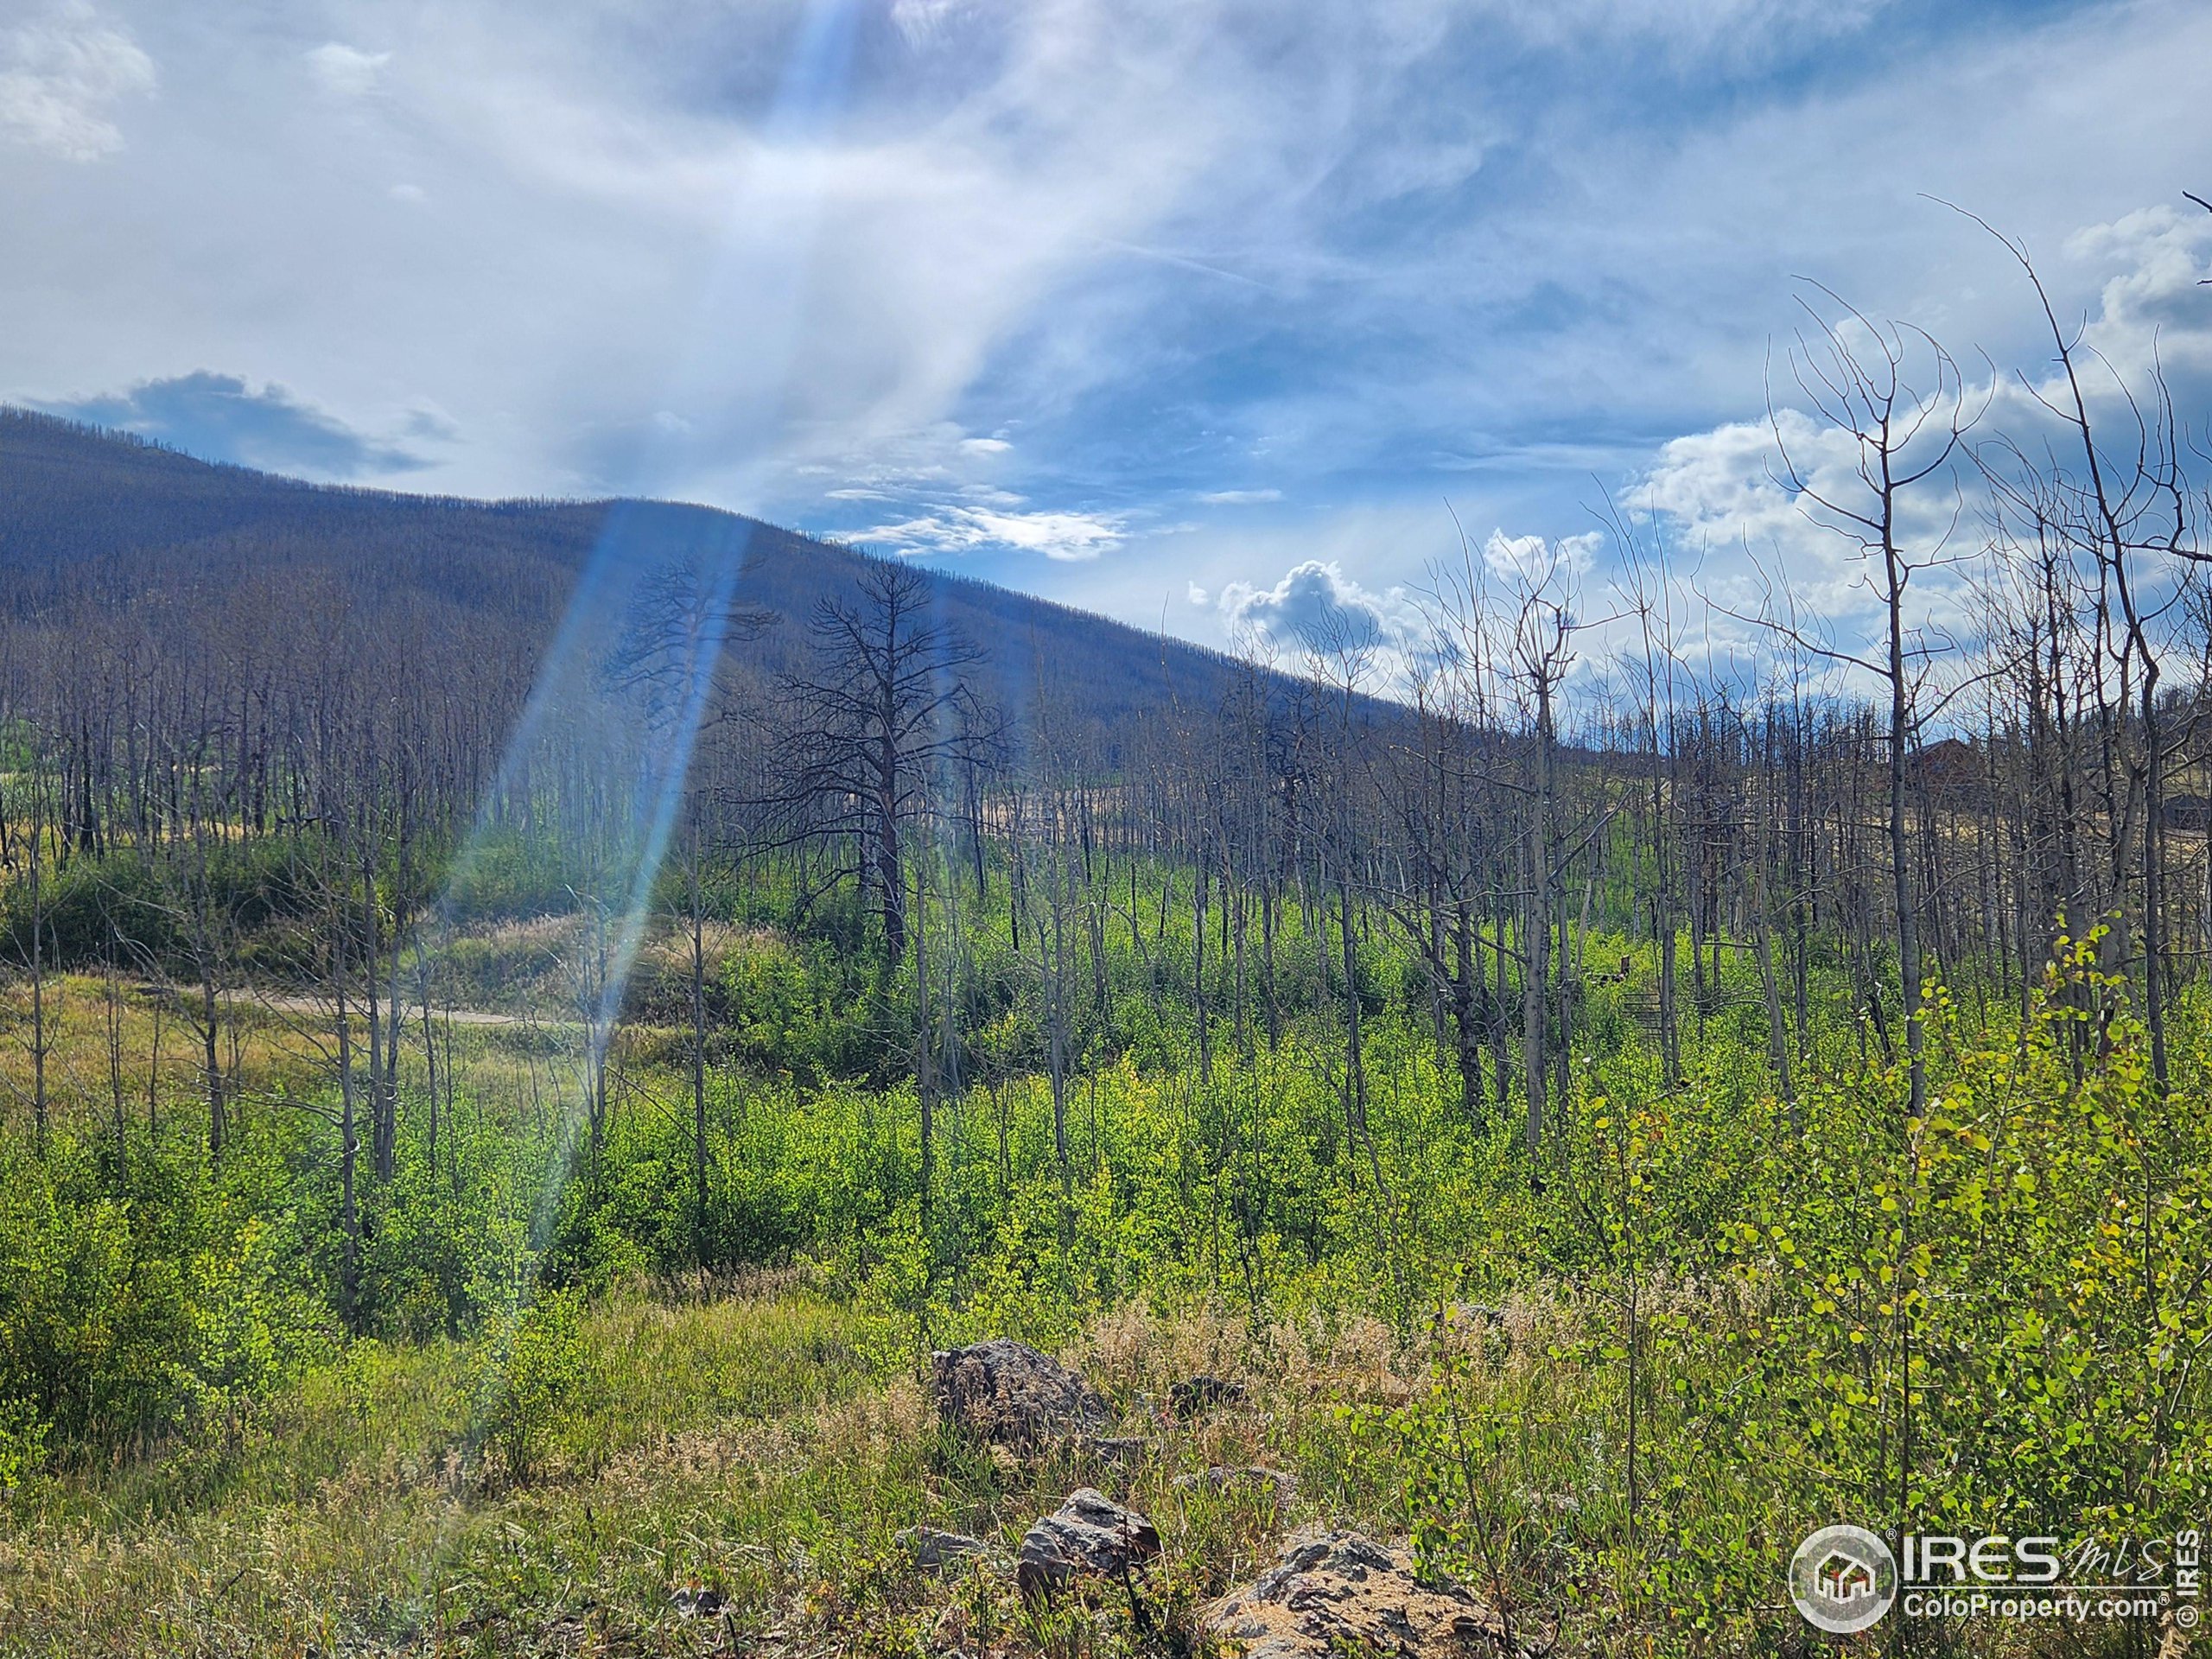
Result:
{"points": [[92, 520]]}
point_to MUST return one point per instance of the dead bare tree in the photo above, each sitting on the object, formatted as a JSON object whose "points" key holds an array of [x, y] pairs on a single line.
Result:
{"points": [[884, 709], [1894, 437]]}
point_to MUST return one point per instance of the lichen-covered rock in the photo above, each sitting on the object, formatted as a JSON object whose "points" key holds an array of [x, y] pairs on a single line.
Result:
{"points": [[1005, 1394], [1339, 1592], [1088, 1537]]}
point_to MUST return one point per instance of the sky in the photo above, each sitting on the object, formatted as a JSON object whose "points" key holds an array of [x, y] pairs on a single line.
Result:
{"points": [[1217, 315]]}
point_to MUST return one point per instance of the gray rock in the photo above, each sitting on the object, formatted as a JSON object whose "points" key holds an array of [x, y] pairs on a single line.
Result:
{"points": [[1339, 1592], [1088, 1537], [1005, 1394]]}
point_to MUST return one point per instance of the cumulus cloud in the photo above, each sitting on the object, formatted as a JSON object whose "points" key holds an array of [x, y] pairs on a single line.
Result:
{"points": [[2157, 296], [60, 76], [1748, 540], [1316, 607], [1536, 561], [2152, 320], [1750, 505], [1719, 498], [221, 417]]}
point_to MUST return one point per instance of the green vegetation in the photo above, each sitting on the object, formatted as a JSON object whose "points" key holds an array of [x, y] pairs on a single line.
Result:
{"points": [[1610, 1387]]}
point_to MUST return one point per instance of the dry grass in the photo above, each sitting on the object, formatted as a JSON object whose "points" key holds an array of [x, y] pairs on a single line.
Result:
{"points": [[767, 1445]]}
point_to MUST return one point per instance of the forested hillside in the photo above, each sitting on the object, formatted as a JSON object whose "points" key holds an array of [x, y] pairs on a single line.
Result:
{"points": [[100, 532], [1595, 1118]]}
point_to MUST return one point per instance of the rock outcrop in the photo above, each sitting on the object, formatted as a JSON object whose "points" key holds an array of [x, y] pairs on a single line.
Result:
{"points": [[1088, 1537], [1006, 1395], [1341, 1592]]}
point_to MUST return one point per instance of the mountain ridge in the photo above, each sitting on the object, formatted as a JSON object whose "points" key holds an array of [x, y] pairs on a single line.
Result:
{"points": [[89, 516]]}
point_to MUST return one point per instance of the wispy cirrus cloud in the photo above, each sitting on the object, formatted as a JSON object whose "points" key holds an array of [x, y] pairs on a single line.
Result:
{"points": [[1068, 537], [62, 73]]}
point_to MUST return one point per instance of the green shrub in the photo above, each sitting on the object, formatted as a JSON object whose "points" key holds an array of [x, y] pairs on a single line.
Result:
{"points": [[538, 1383], [23, 1442], [137, 1311]]}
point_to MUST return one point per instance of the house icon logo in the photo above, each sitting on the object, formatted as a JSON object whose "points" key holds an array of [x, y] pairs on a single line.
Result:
{"points": [[1843, 1579]]}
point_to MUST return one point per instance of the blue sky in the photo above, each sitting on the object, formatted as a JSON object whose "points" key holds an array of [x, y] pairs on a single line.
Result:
{"points": [[1191, 311]]}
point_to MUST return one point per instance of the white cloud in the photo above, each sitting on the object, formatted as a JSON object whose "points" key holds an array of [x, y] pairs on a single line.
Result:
{"points": [[1198, 596], [2156, 309], [1239, 497], [1067, 536], [1537, 561], [1749, 542], [345, 71], [60, 76], [1315, 605], [1722, 487]]}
